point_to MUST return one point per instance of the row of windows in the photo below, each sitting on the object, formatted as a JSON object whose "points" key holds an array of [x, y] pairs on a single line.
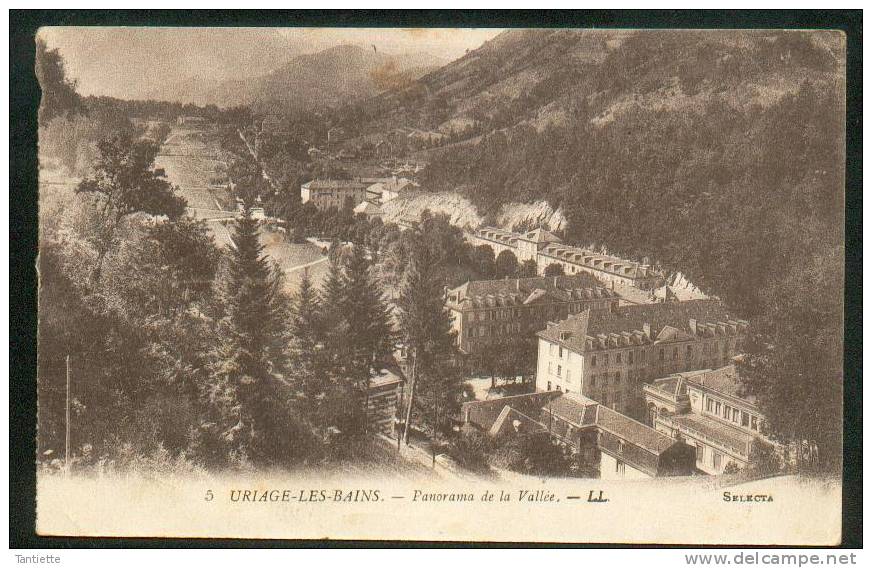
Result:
{"points": [[632, 357], [734, 415], [603, 379], [492, 330], [574, 269], [539, 312], [639, 356], [513, 313], [579, 307]]}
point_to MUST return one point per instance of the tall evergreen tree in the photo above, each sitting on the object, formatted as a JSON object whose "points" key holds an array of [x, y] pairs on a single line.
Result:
{"points": [[426, 331], [360, 335], [307, 335], [369, 324], [333, 308], [251, 400]]}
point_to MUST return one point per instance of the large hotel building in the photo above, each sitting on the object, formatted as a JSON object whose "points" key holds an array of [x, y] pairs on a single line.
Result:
{"points": [[606, 356], [485, 311], [545, 249], [327, 193]]}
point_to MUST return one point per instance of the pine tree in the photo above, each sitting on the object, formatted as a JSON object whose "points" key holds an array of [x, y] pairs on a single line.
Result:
{"points": [[427, 334], [359, 332], [250, 399], [368, 323], [306, 341], [333, 313]]}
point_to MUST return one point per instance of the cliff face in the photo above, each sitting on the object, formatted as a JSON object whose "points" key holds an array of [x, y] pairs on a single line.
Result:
{"points": [[464, 214], [538, 213], [460, 210]]}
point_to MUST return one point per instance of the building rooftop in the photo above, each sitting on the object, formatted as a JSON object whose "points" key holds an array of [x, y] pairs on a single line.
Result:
{"points": [[510, 421], [573, 408], [334, 184], [507, 238], [714, 430], [724, 380], [395, 185], [672, 386], [626, 325], [556, 249], [632, 431], [384, 378], [540, 236], [524, 291], [368, 208], [483, 413], [606, 263]]}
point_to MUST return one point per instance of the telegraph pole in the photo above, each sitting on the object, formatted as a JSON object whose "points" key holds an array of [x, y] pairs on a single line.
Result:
{"points": [[67, 437]]}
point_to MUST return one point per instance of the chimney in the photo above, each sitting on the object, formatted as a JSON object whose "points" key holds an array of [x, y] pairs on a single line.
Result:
{"points": [[692, 326], [646, 329]]}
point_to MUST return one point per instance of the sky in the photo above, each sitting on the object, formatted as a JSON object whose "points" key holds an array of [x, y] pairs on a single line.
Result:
{"points": [[131, 62]]}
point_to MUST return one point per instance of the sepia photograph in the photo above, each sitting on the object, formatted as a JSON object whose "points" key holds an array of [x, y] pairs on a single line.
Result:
{"points": [[444, 284]]}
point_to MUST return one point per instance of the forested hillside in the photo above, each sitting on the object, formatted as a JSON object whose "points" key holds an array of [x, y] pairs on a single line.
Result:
{"points": [[721, 155]]}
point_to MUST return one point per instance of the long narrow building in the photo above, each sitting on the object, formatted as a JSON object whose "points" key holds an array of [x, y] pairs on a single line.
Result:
{"points": [[546, 248]]}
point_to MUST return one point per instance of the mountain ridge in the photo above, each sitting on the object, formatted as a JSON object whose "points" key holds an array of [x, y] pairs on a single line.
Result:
{"points": [[310, 81]]}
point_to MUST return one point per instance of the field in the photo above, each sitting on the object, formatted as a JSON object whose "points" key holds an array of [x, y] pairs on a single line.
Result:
{"points": [[294, 259], [187, 158]]}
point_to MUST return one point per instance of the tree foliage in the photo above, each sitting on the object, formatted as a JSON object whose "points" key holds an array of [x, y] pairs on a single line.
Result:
{"points": [[59, 95]]}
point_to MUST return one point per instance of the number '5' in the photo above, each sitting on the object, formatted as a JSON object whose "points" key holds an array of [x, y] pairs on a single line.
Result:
{"points": [[209, 495]]}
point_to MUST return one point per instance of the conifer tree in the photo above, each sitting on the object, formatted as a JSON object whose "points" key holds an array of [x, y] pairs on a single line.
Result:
{"points": [[306, 343], [359, 332], [426, 332], [368, 323], [253, 412], [333, 314]]}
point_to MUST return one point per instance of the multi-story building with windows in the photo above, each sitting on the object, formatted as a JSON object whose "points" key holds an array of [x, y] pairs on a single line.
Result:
{"points": [[486, 311], [608, 355], [546, 249], [710, 410], [327, 193]]}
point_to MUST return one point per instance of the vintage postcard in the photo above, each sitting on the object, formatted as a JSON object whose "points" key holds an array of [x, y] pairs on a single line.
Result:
{"points": [[444, 284]]}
